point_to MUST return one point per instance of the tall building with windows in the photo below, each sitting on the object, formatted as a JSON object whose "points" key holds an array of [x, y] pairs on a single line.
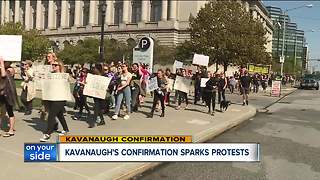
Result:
{"points": [[294, 38], [71, 21]]}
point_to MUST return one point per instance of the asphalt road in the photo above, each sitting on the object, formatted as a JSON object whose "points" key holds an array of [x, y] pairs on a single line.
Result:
{"points": [[289, 140]]}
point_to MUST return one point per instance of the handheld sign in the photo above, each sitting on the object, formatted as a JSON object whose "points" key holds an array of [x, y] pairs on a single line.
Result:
{"points": [[201, 60], [96, 86], [11, 47], [182, 84], [177, 65], [276, 88], [203, 82], [56, 87], [152, 84]]}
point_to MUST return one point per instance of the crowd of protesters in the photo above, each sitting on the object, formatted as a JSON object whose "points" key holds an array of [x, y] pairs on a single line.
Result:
{"points": [[127, 91]]}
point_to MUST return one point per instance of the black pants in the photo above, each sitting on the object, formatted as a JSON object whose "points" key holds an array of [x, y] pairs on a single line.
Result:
{"points": [[83, 103], [135, 98], [56, 109], [210, 97], [23, 99], [255, 88], [197, 94], [184, 96], [221, 94], [158, 97], [9, 107], [98, 105]]}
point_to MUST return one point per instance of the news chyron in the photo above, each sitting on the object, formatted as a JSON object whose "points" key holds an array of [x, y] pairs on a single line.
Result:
{"points": [[138, 149]]}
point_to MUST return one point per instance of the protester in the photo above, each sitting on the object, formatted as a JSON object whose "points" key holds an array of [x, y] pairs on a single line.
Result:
{"points": [[55, 109], [168, 76], [232, 84], [135, 86], [181, 94], [82, 99], [98, 103], [197, 86], [245, 81], [210, 92], [222, 84], [159, 94], [255, 80], [123, 91], [28, 92]]}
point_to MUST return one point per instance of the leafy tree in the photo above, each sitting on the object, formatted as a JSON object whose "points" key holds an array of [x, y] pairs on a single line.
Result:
{"points": [[228, 34], [34, 45]]}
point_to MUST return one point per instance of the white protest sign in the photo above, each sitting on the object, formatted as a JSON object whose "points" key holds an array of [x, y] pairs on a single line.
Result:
{"points": [[11, 47], [39, 74], [143, 52], [182, 84], [152, 84], [200, 59], [276, 88], [170, 84], [56, 87], [177, 65], [203, 82], [96, 86]]}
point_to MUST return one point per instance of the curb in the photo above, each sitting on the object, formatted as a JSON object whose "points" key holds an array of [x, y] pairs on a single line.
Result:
{"points": [[197, 138], [287, 94]]}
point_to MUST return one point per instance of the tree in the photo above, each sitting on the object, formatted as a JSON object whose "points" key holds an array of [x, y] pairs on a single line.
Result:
{"points": [[34, 45], [228, 34]]}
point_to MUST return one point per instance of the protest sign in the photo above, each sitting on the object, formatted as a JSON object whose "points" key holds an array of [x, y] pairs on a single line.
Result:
{"points": [[200, 59], [96, 86], [56, 87], [11, 47], [170, 84], [39, 74], [177, 65], [276, 88], [182, 84], [152, 84], [203, 82]]}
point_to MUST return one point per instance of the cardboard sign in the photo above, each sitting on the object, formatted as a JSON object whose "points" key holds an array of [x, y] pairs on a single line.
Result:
{"points": [[203, 82], [56, 87], [170, 84], [182, 84], [201, 60], [177, 65], [11, 47], [96, 86], [152, 84], [276, 88], [40, 72]]}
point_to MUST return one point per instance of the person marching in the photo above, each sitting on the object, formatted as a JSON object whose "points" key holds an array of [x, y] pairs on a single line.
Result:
{"points": [[98, 103], [159, 94], [210, 92], [28, 91], [123, 91], [181, 94], [222, 84], [55, 109], [135, 86], [245, 81], [82, 99]]}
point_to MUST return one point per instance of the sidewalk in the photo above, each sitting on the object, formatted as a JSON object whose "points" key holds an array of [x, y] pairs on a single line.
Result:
{"points": [[193, 121]]}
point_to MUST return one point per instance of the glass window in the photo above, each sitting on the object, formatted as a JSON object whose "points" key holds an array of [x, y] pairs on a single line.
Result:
{"points": [[136, 11], [118, 11], [86, 12], [156, 8], [71, 13]]}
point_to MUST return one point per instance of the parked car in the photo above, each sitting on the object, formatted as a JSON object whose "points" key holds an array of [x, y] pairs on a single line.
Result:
{"points": [[309, 83]]}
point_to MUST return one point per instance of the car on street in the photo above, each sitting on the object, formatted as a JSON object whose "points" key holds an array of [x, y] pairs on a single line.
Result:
{"points": [[309, 83]]}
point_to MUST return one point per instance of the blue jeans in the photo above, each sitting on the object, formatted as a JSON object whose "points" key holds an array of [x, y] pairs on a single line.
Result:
{"points": [[126, 92]]}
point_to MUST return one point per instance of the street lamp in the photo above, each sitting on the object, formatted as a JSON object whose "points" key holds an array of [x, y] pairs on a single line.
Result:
{"points": [[103, 15], [284, 32]]}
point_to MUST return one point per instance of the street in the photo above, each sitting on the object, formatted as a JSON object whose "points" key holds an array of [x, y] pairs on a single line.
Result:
{"points": [[289, 144]]}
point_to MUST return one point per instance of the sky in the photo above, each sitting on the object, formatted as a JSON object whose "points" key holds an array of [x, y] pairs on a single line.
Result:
{"points": [[307, 19]]}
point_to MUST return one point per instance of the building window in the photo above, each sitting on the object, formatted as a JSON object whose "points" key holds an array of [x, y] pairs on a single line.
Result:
{"points": [[71, 13], [11, 10], [118, 12], [45, 6], [86, 12], [156, 8], [58, 14], [136, 11], [34, 13]]}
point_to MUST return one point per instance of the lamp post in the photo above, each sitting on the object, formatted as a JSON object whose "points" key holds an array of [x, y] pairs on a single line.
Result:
{"points": [[284, 33], [103, 15]]}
